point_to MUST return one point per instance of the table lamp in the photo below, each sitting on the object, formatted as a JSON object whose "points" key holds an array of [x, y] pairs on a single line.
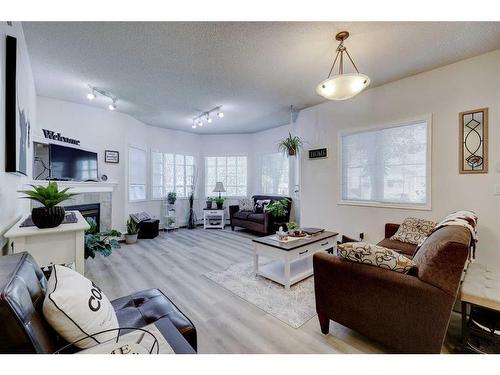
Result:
{"points": [[219, 188]]}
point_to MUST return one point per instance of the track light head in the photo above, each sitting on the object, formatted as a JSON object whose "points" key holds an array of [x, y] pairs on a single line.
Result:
{"points": [[91, 95], [209, 119], [112, 106], [220, 114]]}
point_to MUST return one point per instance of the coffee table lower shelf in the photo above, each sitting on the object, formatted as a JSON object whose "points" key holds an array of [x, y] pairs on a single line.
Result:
{"points": [[275, 271]]}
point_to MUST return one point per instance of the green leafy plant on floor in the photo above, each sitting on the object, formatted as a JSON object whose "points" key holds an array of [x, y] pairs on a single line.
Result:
{"points": [[132, 226], [278, 208], [48, 196], [100, 242], [290, 145]]}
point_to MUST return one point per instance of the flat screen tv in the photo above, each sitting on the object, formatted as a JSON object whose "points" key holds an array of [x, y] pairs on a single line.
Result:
{"points": [[68, 163]]}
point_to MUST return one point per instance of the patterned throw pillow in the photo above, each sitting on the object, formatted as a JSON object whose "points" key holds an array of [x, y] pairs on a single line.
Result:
{"points": [[414, 230], [374, 255], [246, 204], [260, 205]]}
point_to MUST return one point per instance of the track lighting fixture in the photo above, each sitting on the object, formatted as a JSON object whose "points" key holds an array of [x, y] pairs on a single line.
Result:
{"points": [[198, 120], [93, 94]]}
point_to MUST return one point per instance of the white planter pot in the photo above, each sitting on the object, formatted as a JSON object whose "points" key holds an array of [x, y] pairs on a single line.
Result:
{"points": [[130, 238]]}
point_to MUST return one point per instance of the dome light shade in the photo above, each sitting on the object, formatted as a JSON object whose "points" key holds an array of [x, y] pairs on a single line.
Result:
{"points": [[343, 86]]}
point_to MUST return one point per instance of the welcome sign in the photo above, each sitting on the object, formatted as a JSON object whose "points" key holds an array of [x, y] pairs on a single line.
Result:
{"points": [[50, 134]]}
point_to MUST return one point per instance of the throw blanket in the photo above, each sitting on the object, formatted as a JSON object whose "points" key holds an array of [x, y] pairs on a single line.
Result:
{"points": [[463, 218]]}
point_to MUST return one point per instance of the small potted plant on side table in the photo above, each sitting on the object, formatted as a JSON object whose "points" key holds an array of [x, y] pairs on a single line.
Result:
{"points": [[132, 231], [219, 201], [210, 201], [50, 215]]}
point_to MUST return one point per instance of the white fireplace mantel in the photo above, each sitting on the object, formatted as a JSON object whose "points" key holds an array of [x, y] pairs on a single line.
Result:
{"points": [[81, 187]]}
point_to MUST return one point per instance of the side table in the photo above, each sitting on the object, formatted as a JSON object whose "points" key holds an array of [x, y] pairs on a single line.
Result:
{"points": [[480, 294], [209, 214]]}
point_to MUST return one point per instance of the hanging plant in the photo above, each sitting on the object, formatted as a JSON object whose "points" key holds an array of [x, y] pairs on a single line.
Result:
{"points": [[290, 145]]}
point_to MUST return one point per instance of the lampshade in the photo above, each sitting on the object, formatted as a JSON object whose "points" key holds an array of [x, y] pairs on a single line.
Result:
{"points": [[219, 188], [342, 87]]}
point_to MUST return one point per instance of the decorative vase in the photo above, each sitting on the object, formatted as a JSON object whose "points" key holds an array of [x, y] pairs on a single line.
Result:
{"points": [[209, 204], [131, 238], [219, 205], [47, 217], [171, 201], [291, 152], [191, 224]]}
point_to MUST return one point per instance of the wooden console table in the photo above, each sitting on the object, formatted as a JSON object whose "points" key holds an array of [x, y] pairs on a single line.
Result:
{"points": [[61, 245]]}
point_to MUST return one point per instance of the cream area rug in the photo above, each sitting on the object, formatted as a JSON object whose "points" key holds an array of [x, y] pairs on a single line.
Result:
{"points": [[293, 307]]}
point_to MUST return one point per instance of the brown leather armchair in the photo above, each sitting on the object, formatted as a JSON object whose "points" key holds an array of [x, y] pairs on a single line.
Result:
{"points": [[23, 328], [408, 313]]}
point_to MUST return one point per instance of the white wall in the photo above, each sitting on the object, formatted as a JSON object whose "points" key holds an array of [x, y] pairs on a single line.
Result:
{"points": [[99, 129], [444, 92], [11, 207]]}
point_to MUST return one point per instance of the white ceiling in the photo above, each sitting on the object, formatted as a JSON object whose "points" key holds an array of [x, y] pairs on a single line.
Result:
{"points": [[163, 73]]}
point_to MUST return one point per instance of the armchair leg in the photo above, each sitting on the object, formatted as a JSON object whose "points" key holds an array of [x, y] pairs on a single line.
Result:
{"points": [[324, 323], [232, 228]]}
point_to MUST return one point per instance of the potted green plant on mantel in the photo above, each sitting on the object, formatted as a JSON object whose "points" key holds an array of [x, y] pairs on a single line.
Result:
{"points": [[50, 215], [219, 201], [132, 231], [290, 145], [171, 197]]}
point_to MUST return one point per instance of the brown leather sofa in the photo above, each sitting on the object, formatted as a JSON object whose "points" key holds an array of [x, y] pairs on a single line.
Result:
{"points": [[23, 328], [406, 312], [257, 222]]}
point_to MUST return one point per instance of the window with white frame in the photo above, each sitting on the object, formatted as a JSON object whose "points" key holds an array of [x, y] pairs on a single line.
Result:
{"points": [[273, 172], [388, 166], [171, 172], [136, 174], [230, 170]]}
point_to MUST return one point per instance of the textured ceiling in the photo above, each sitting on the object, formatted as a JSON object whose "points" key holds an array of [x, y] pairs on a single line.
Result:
{"points": [[163, 73]]}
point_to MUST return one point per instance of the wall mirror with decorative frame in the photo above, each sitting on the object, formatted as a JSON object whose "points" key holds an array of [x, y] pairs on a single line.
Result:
{"points": [[473, 154]]}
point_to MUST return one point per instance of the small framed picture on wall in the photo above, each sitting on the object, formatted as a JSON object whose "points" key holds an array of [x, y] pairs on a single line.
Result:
{"points": [[111, 156]]}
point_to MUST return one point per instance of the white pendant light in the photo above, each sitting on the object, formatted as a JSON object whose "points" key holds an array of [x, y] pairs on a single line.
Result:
{"points": [[342, 86]]}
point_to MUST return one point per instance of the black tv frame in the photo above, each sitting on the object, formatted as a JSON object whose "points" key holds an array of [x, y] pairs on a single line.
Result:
{"points": [[69, 179]]}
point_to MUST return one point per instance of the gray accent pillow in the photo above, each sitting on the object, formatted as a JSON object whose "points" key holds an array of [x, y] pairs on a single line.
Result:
{"points": [[246, 204]]}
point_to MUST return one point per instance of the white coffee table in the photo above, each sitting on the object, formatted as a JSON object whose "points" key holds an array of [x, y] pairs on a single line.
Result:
{"points": [[292, 261], [211, 214]]}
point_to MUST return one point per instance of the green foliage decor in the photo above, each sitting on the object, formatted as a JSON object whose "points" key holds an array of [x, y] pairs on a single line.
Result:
{"points": [[218, 200], [278, 208], [100, 242], [132, 226], [292, 226], [48, 196], [290, 145], [172, 197]]}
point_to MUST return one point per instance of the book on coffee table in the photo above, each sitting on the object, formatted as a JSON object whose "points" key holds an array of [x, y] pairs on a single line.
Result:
{"points": [[312, 231]]}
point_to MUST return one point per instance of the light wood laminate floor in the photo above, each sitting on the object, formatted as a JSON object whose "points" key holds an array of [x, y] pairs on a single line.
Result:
{"points": [[175, 263]]}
